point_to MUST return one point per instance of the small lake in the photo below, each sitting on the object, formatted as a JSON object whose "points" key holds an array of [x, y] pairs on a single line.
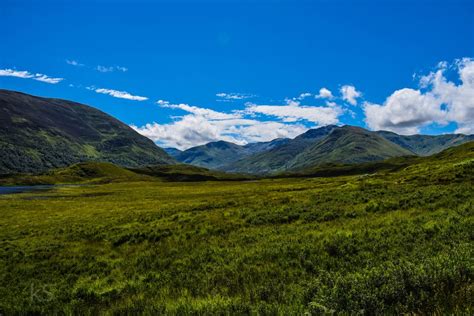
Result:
{"points": [[24, 188]]}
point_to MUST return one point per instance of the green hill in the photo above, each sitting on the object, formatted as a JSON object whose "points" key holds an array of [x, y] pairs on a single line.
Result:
{"points": [[329, 144], [425, 145], [449, 164], [84, 172], [218, 155], [184, 173], [276, 158], [37, 134], [104, 172], [347, 144], [212, 155]]}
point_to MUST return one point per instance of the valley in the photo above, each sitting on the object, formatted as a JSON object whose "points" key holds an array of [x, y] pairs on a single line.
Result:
{"points": [[260, 158], [393, 240], [97, 219]]}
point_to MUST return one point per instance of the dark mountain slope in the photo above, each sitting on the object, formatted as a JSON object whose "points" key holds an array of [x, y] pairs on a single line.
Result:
{"points": [[173, 152], [37, 134], [452, 164], [254, 148], [425, 145], [347, 144], [277, 157], [218, 154], [212, 155]]}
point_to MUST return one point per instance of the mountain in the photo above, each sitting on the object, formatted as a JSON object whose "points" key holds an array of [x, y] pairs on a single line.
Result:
{"points": [[341, 145], [425, 145], [216, 155], [173, 152], [254, 148], [452, 164], [347, 144], [212, 155], [37, 134], [277, 157]]}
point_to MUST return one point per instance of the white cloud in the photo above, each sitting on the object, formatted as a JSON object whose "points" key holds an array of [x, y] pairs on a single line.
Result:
{"points": [[73, 62], [119, 94], [162, 102], [202, 125], [304, 95], [234, 96], [28, 75], [441, 101], [101, 68], [120, 68], [294, 111], [330, 103], [15, 73], [350, 94], [403, 112], [205, 113], [324, 93], [44, 78], [104, 68]]}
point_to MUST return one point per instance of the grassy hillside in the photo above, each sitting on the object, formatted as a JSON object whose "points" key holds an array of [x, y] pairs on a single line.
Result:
{"points": [[347, 144], [459, 156], [37, 134], [276, 158], [212, 155], [183, 172], [84, 172], [102, 172], [398, 242], [218, 155], [425, 145]]}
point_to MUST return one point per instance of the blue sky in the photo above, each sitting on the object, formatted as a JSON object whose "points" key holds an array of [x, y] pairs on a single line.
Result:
{"points": [[382, 61]]}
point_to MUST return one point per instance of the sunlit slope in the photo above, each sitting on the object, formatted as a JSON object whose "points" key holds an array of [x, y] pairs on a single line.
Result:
{"points": [[37, 134]]}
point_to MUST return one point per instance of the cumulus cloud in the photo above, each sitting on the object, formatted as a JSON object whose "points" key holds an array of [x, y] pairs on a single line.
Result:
{"points": [[438, 101], [234, 96], [101, 68], [293, 111], [404, 112], [324, 93], [350, 94], [27, 75], [119, 94], [202, 125]]}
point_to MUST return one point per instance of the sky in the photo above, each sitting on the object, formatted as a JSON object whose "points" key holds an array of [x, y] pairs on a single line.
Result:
{"points": [[185, 73]]}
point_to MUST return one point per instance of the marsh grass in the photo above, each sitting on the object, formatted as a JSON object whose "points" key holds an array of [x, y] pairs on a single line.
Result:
{"points": [[388, 243]]}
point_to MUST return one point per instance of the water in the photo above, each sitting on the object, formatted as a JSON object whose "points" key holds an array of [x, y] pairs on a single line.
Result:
{"points": [[24, 188]]}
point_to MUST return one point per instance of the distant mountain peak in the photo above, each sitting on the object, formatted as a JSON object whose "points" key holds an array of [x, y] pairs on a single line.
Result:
{"points": [[317, 132]]}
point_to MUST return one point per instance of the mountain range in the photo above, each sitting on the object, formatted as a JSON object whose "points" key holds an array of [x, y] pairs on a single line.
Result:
{"points": [[38, 134], [316, 147]]}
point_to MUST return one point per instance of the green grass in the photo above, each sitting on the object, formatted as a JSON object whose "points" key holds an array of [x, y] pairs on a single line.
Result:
{"points": [[103, 172], [387, 243]]}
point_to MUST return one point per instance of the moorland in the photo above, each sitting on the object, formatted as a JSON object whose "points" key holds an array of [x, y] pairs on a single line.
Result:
{"points": [[386, 238]]}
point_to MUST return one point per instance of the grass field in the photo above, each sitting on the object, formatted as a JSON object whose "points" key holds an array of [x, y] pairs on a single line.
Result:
{"points": [[386, 243]]}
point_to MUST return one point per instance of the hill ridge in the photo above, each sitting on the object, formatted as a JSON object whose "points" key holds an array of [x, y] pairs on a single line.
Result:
{"points": [[40, 133]]}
